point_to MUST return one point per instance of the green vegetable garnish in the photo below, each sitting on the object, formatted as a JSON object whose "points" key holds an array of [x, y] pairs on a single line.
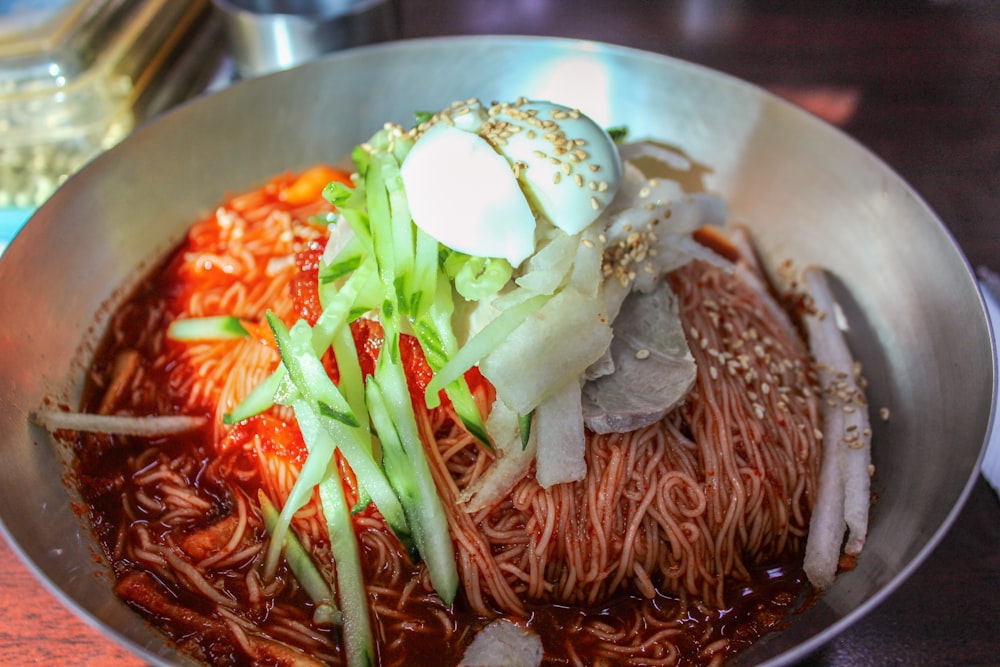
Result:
{"points": [[303, 567], [618, 133], [217, 327]]}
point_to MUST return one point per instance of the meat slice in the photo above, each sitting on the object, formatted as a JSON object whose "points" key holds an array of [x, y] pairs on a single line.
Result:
{"points": [[653, 367]]}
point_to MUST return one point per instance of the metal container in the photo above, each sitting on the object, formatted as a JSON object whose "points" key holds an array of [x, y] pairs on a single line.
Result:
{"points": [[270, 35], [810, 193]]}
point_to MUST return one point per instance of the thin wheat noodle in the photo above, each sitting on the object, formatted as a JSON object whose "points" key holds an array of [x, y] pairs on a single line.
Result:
{"points": [[680, 507]]}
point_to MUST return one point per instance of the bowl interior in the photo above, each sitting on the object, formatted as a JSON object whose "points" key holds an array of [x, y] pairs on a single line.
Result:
{"points": [[913, 309]]}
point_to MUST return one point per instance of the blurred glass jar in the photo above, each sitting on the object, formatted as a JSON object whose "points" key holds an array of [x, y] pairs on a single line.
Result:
{"points": [[270, 35], [76, 76]]}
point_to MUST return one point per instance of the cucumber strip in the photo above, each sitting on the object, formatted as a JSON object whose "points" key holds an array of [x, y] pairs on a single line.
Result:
{"points": [[428, 520], [306, 371], [467, 409], [397, 466], [317, 428], [379, 216], [394, 460], [359, 640], [339, 304], [352, 382], [430, 524], [437, 339], [480, 345], [339, 194], [357, 220], [260, 399], [308, 575], [335, 315], [399, 212], [214, 327], [312, 473], [361, 154], [422, 286], [524, 426], [401, 146], [380, 221], [323, 413], [438, 319], [343, 264], [458, 392]]}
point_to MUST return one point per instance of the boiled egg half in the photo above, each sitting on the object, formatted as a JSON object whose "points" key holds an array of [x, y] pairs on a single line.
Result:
{"points": [[478, 178]]}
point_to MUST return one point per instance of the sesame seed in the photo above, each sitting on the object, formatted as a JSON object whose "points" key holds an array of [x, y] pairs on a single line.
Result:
{"points": [[578, 179], [642, 354], [557, 177], [587, 242]]}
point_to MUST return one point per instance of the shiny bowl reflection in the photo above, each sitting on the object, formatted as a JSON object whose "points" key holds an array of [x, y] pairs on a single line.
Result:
{"points": [[916, 319]]}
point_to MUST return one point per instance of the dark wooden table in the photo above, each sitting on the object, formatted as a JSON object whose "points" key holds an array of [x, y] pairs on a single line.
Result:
{"points": [[916, 82]]}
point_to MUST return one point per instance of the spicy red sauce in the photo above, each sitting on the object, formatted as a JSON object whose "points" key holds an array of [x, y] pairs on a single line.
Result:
{"points": [[109, 470]]}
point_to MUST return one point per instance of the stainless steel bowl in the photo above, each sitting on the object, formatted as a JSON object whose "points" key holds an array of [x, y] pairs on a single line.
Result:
{"points": [[270, 35], [812, 194]]}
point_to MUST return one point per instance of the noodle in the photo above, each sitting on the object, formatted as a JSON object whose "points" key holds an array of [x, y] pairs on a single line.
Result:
{"points": [[672, 523], [687, 510]]}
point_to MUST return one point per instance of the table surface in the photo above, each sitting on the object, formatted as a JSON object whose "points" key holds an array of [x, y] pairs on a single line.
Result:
{"points": [[916, 82]]}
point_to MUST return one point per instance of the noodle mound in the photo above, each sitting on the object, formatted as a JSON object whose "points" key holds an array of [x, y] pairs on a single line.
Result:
{"points": [[723, 483], [682, 505]]}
